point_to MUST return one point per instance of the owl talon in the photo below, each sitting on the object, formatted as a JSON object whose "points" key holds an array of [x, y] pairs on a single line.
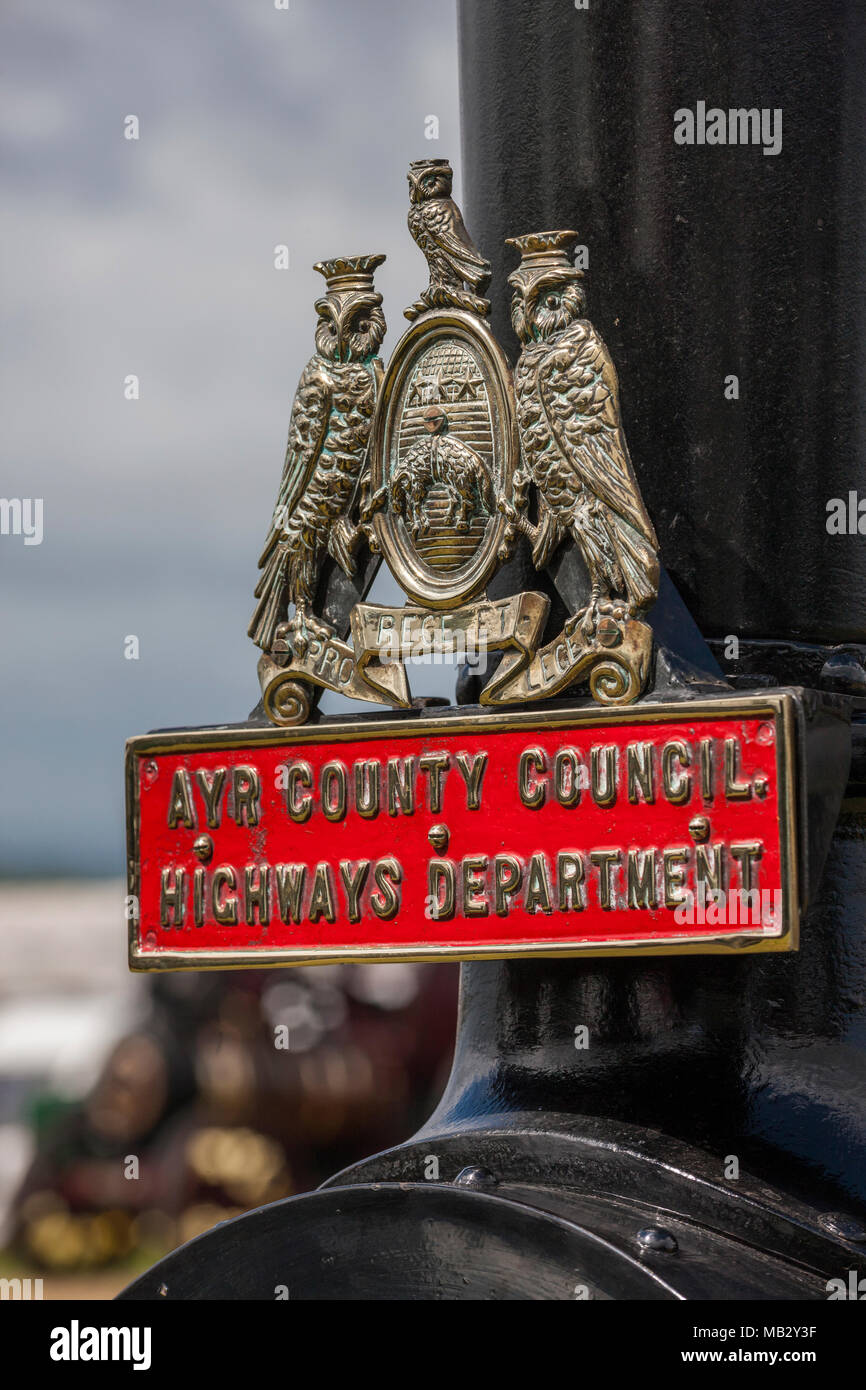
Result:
{"points": [[584, 623], [374, 504], [302, 629], [613, 608]]}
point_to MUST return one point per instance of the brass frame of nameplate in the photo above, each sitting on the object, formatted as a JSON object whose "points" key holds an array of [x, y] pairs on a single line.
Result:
{"points": [[780, 706]]}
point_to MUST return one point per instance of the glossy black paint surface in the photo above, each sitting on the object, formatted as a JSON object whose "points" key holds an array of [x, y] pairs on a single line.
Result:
{"points": [[703, 262], [413, 1241]]}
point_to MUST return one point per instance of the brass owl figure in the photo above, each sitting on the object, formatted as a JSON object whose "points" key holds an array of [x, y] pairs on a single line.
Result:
{"points": [[325, 456], [437, 226], [572, 439]]}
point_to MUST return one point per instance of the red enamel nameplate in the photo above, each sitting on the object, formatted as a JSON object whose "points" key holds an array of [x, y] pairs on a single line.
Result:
{"points": [[657, 828]]}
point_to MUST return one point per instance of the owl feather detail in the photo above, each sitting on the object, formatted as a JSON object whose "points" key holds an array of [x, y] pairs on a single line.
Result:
{"points": [[325, 456], [572, 437]]}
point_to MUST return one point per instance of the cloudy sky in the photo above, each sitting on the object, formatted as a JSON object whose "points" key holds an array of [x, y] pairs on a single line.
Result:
{"points": [[258, 126]]}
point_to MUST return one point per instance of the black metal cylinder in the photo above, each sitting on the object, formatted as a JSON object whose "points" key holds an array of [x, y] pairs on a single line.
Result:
{"points": [[705, 261]]}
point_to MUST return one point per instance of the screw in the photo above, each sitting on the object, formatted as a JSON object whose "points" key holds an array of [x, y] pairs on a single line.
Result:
{"points": [[203, 848], [699, 829], [439, 837]]}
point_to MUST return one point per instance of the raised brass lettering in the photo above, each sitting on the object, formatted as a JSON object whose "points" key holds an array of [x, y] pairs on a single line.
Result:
{"points": [[180, 810], [640, 874], [368, 775], [436, 766], [256, 894], [354, 877], [710, 867], [566, 777], [211, 793], [171, 897], [323, 898], [747, 856], [198, 896], [473, 867], [569, 878], [639, 765], [246, 790], [299, 806], [507, 874], [734, 789], [225, 909], [677, 784], [472, 771], [441, 889], [605, 860], [532, 792], [401, 786], [386, 903], [707, 769], [291, 879], [674, 861], [333, 788], [603, 788], [537, 893]]}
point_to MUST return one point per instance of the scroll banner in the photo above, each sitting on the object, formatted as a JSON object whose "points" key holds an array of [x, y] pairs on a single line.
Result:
{"points": [[386, 637], [616, 672], [383, 638], [330, 663]]}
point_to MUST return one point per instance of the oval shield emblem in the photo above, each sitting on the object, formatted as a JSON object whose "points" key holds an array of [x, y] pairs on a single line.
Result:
{"points": [[443, 451]]}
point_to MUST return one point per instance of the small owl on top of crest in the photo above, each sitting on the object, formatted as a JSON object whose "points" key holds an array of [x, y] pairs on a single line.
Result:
{"points": [[453, 258]]}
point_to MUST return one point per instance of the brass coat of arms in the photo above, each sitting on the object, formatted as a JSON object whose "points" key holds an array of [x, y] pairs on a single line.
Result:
{"points": [[441, 465]]}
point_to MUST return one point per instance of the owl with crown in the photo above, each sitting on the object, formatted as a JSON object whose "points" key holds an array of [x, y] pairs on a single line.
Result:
{"points": [[573, 443], [322, 479]]}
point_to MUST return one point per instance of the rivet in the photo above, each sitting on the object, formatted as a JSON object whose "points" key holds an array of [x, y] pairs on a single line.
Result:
{"points": [[657, 1239], [843, 1226], [475, 1177]]}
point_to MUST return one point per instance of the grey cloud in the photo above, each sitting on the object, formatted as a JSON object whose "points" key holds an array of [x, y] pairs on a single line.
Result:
{"points": [[156, 258]]}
